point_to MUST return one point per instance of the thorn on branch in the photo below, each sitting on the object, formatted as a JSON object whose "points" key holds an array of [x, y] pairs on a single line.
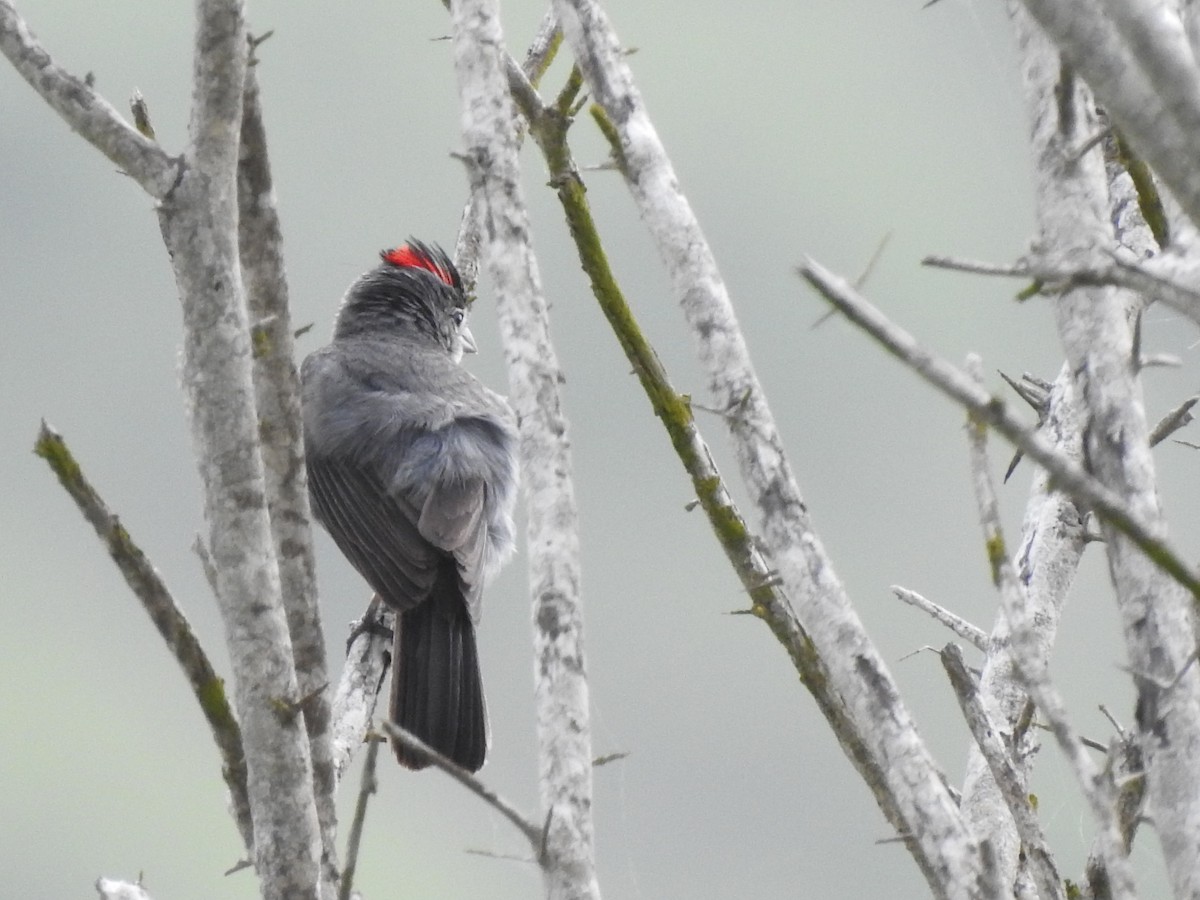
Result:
{"points": [[1173, 421], [609, 758]]}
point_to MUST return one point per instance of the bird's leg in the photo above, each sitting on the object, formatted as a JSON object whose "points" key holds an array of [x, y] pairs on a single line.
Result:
{"points": [[370, 623]]}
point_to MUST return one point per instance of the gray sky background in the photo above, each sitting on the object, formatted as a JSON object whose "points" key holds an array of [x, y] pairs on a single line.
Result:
{"points": [[813, 128]]}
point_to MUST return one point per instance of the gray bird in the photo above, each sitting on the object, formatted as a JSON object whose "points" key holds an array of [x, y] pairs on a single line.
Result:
{"points": [[412, 469]]}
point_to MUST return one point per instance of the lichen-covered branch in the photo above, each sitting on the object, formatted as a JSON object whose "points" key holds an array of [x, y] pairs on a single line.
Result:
{"points": [[1099, 330], [1032, 666], [542, 50], [277, 401], [198, 220], [147, 585], [561, 688], [1012, 781], [357, 691], [1135, 56], [198, 216], [549, 125], [1052, 543], [895, 762]]}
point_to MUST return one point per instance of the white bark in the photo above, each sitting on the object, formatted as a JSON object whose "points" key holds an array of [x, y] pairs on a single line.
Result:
{"points": [[198, 219], [1136, 86], [1052, 542], [906, 780], [277, 404], [112, 889], [1028, 652], [1094, 327], [561, 689]]}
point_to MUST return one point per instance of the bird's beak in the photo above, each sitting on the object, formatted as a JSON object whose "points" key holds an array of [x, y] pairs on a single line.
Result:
{"points": [[468, 340]]}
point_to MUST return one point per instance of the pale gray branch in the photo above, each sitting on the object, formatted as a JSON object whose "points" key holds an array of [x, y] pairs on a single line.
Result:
{"points": [[1134, 83], [358, 690], [89, 114], [112, 889], [561, 688], [199, 225], [1028, 653], [1174, 420], [277, 400], [1067, 474], [1013, 786], [893, 759], [960, 626], [1052, 543], [1163, 278]]}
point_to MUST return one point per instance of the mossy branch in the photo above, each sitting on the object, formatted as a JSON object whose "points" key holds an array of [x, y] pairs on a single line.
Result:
{"points": [[147, 585], [548, 125], [1149, 199]]}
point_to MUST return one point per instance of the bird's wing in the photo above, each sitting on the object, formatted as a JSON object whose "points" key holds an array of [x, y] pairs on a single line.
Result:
{"points": [[377, 531], [452, 518]]}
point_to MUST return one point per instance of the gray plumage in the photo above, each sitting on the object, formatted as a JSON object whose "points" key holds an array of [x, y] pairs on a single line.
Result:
{"points": [[412, 470]]}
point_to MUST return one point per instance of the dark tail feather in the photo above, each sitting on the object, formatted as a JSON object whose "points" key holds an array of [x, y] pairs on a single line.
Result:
{"points": [[437, 692]]}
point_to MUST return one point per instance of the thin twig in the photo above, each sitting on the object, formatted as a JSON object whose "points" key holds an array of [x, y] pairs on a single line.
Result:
{"points": [[353, 841], [1068, 476], [416, 746], [1160, 278], [960, 626], [1008, 779], [1030, 664], [147, 585]]}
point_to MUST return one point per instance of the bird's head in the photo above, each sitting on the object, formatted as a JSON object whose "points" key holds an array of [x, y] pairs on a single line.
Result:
{"points": [[416, 294]]}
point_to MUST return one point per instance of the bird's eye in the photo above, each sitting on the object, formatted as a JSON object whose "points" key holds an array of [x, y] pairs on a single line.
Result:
{"points": [[458, 315]]}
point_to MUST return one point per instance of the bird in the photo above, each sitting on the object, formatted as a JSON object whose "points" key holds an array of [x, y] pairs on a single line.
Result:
{"points": [[412, 470]]}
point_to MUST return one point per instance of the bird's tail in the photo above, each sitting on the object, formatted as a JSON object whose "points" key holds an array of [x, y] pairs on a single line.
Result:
{"points": [[437, 690]]}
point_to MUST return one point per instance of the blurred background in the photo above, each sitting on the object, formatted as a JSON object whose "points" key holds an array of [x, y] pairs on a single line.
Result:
{"points": [[796, 129]]}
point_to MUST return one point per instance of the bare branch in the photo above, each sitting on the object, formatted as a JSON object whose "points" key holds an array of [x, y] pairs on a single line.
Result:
{"points": [[353, 841], [110, 889], [147, 585], [561, 688], [1131, 55], [358, 691], [1162, 278], [277, 401], [1173, 421], [1032, 666], [88, 114], [199, 225], [526, 76], [415, 745], [960, 626], [1052, 542], [908, 785], [549, 126], [1012, 785], [1067, 474]]}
